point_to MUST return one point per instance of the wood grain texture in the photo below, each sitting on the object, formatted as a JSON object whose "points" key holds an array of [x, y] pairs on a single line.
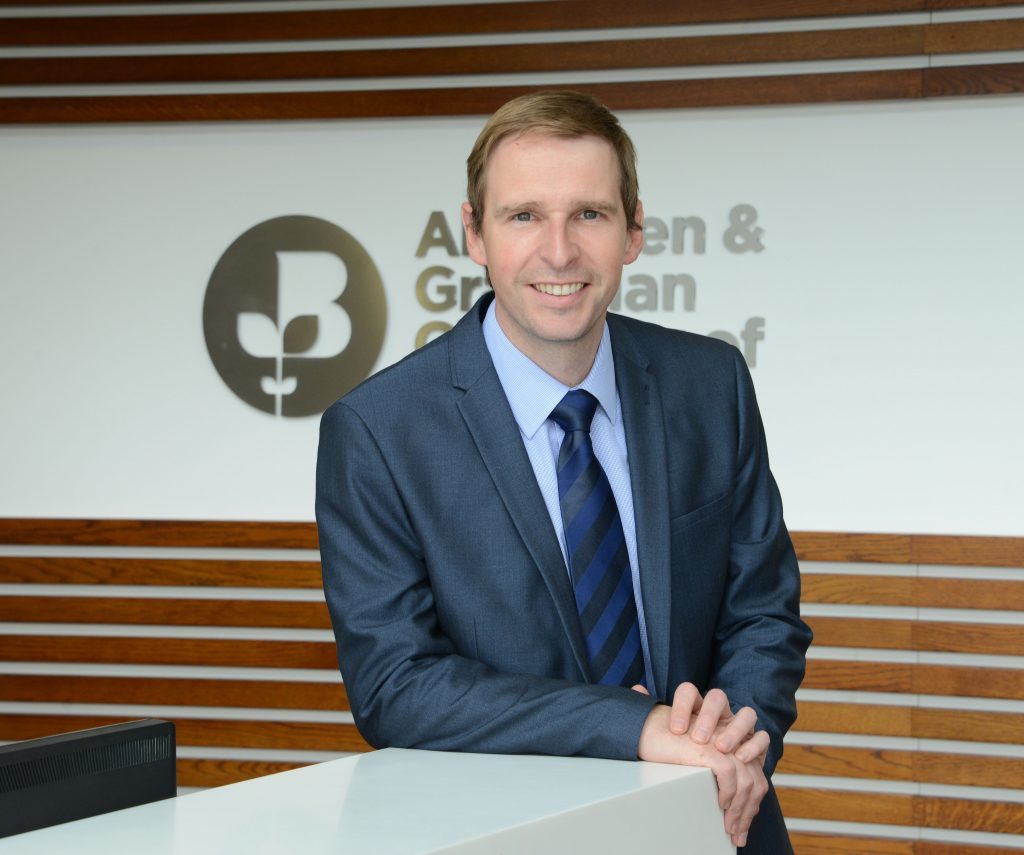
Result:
{"points": [[926, 592], [160, 571], [964, 681], [819, 45], [170, 612], [969, 681], [229, 733], [958, 80], [394, 22], [859, 676], [841, 762], [878, 719], [861, 632], [974, 36], [262, 694], [194, 772], [471, 101], [968, 770], [857, 589], [810, 546], [931, 847], [969, 814], [847, 805], [856, 548], [968, 725], [812, 843], [240, 653], [948, 636], [939, 636], [174, 533]]}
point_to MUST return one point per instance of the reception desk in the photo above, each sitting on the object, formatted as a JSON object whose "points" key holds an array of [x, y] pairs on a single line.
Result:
{"points": [[401, 801]]}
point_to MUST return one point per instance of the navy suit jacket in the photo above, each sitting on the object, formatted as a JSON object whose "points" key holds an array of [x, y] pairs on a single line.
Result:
{"points": [[451, 603]]}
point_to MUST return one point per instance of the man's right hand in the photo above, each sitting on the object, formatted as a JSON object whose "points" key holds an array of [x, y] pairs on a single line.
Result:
{"points": [[682, 734]]}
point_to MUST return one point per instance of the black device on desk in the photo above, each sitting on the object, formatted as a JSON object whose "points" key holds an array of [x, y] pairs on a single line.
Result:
{"points": [[74, 775]]}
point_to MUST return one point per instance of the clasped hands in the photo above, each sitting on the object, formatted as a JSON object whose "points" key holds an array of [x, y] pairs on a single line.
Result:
{"points": [[698, 731]]}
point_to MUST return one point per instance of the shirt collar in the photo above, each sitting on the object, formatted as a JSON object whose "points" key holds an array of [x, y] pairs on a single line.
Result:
{"points": [[533, 393]]}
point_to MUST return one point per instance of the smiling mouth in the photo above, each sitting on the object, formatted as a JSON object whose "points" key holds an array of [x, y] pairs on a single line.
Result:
{"points": [[557, 289]]}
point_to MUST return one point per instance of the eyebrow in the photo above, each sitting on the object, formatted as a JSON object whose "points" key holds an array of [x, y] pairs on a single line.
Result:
{"points": [[582, 205]]}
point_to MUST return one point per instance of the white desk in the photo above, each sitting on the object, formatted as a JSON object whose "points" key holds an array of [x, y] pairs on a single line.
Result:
{"points": [[399, 801]]}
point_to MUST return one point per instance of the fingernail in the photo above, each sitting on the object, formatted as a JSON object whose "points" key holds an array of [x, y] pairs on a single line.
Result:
{"points": [[743, 840], [726, 744], [700, 735]]}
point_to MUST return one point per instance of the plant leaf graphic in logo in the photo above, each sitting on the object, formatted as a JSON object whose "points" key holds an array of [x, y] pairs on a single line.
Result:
{"points": [[308, 282]]}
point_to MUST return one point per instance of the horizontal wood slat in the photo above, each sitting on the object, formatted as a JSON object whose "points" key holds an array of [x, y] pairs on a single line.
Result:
{"points": [[215, 773], [553, 15], [959, 80], [894, 765], [269, 694], [815, 45], [228, 733], [967, 681], [158, 611], [810, 546], [801, 46], [170, 533], [921, 591], [240, 653], [846, 805], [897, 809], [919, 722], [939, 636], [815, 843], [470, 101], [159, 571]]}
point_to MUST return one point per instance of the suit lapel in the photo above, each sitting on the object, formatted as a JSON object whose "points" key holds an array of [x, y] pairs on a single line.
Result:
{"points": [[648, 464], [494, 430]]}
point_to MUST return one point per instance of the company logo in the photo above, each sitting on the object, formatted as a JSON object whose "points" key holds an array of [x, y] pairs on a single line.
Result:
{"points": [[294, 315]]}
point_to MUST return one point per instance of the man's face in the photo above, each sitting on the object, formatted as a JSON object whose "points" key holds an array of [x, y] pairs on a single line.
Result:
{"points": [[554, 240]]}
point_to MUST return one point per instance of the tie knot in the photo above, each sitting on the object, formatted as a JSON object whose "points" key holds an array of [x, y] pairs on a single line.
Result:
{"points": [[575, 411]]}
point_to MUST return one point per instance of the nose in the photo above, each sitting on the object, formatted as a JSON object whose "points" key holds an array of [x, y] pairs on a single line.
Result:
{"points": [[559, 249]]}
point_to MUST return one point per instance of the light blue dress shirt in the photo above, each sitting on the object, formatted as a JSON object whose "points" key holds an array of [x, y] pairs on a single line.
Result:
{"points": [[533, 394]]}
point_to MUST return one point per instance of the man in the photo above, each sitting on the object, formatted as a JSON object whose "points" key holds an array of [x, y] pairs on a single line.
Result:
{"points": [[552, 530]]}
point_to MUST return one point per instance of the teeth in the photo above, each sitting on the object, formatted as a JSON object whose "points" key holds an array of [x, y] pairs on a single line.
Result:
{"points": [[557, 290]]}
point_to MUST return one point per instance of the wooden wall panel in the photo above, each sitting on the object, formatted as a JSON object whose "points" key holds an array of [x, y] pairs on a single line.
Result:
{"points": [[394, 22], [171, 612], [222, 652], [159, 571], [230, 733]]}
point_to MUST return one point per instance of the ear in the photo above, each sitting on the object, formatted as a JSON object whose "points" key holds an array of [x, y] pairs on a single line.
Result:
{"points": [[635, 237], [474, 241]]}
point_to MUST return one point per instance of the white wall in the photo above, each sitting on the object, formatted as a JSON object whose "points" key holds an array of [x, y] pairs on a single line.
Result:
{"points": [[889, 375]]}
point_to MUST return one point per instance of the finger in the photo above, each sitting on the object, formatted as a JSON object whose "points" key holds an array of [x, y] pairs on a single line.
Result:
{"points": [[685, 702], [738, 814], [641, 688], [712, 710], [752, 806], [754, 749], [736, 731], [726, 770]]}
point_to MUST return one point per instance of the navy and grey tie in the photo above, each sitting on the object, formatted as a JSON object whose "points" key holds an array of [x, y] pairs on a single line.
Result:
{"points": [[598, 560]]}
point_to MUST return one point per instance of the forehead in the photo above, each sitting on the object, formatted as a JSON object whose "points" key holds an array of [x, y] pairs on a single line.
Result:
{"points": [[556, 165]]}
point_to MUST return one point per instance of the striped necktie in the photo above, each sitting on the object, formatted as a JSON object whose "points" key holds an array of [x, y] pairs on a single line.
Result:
{"points": [[598, 560]]}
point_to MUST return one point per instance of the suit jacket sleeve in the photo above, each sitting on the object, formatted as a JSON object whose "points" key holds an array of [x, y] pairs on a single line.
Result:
{"points": [[760, 640], [407, 684]]}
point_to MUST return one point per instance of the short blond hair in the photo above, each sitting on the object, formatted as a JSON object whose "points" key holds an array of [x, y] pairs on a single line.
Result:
{"points": [[558, 113]]}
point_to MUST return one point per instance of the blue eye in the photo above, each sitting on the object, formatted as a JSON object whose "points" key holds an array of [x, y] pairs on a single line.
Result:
{"points": [[590, 215], [523, 217]]}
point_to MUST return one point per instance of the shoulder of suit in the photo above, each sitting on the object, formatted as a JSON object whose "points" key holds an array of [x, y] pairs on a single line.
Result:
{"points": [[659, 343]]}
